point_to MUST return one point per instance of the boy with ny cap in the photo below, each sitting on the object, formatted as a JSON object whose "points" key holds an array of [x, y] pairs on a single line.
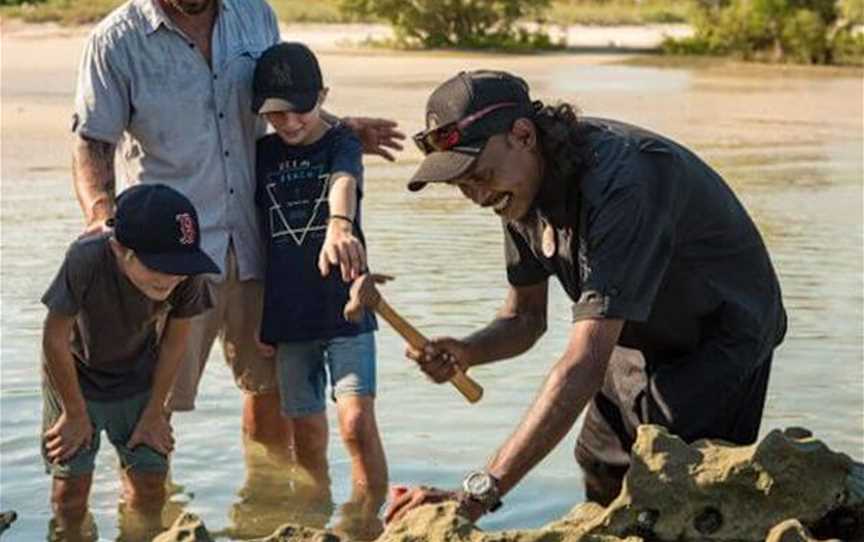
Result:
{"points": [[117, 327], [309, 186]]}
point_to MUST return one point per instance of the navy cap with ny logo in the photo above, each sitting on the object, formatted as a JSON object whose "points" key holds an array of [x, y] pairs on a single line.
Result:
{"points": [[287, 78]]}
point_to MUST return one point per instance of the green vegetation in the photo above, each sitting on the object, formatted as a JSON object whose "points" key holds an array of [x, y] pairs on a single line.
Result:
{"points": [[61, 11], [89, 11], [468, 25], [604, 12], [614, 12], [801, 31]]}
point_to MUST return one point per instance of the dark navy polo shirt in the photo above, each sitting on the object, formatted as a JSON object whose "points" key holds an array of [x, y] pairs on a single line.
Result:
{"points": [[650, 234], [292, 196]]}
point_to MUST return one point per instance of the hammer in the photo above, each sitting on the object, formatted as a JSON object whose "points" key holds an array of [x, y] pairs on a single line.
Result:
{"points": [[365, 294]]}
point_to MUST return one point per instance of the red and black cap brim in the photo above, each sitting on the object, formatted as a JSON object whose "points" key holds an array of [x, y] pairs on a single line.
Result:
{"points": [[186, 263], [443, 166]]}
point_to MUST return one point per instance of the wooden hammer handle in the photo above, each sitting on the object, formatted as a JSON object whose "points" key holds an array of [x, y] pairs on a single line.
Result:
{"points": [[467, 386]]}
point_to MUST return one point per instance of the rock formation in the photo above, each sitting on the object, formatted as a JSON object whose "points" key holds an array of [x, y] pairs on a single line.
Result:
{"points": [[788, 488]]}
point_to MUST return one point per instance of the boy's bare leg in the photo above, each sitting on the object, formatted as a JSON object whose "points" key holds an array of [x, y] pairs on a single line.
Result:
{"points": [[144, 497], [359, 432], [311, 435], [69, 503], [264, 424]]}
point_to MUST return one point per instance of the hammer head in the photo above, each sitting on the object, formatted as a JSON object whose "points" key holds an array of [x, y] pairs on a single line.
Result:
{"points": [[364, 294]]}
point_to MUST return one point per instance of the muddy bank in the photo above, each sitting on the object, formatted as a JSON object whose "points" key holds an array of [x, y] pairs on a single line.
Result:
{"points": [[789, 487]]}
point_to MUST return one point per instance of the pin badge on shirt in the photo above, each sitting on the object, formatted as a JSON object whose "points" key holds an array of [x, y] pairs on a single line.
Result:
{"points": [[550, 242]]}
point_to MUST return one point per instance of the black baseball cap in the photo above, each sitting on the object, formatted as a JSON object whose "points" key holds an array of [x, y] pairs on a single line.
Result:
{"points": [[477, 105], [287, 78], [160, 224]]}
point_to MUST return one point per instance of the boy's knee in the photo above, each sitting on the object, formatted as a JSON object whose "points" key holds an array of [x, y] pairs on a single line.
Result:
{"points": [[145, 490], [69, 497], [357, 425]]}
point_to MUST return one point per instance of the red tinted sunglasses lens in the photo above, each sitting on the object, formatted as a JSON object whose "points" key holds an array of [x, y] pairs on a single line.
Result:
{"points": [[439, 139]]}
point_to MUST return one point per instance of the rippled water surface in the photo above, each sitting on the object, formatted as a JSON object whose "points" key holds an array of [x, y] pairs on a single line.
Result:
{"points": [[788, 141]]}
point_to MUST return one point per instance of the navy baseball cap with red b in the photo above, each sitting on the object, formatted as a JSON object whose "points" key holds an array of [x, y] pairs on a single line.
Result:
{"points": [[461, 115], [161, 226]]}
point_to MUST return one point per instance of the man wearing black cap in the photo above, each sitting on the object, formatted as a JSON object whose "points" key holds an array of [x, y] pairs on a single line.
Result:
{"points": [[126, 299], [653, 248]]}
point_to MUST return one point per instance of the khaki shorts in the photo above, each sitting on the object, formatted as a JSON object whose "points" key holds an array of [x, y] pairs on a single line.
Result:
{"points": [[235, 318]]}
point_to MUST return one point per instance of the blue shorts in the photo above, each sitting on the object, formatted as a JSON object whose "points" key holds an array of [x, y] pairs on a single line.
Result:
{"points": [[300, 371]]}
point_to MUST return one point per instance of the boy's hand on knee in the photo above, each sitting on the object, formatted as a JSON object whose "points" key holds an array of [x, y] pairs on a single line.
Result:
{"points": [[68, 435], [153, 430]]}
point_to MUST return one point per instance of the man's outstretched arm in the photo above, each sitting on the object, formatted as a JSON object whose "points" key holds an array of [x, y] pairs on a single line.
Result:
{"points": [[574, 380]]}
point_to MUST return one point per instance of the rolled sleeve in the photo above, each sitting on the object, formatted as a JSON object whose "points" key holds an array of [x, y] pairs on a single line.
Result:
{"points": [[523, 267], [630, 240], [102, 106]]}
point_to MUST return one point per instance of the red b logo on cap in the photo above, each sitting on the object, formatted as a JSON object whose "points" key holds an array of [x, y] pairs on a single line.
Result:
{"points": [[187, 229]]}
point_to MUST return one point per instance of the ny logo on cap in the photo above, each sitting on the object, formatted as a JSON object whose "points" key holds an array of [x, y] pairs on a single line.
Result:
{"points": [[187, 228], [282, 75]]}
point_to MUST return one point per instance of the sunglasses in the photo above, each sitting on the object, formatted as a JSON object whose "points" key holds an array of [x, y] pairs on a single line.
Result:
{"points": [[444, 138]]}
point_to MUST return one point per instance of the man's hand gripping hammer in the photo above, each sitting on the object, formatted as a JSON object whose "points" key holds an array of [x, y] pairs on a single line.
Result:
{"points": [[364, 294]]}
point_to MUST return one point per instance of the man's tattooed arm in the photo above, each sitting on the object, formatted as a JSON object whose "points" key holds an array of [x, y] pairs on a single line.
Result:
{"points": [[94, 179]]}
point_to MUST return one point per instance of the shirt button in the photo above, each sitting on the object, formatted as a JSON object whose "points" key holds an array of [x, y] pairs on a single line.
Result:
{"points": [[227, 153], [221, 115], [215, 76], [191, 45], [230, 190], [613, 291]]}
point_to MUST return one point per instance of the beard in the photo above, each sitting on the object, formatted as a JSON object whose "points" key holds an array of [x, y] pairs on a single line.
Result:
{"points": [[191, 7]]}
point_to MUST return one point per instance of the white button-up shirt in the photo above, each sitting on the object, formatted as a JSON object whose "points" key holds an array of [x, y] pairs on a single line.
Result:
{"points": [[144, 85]]}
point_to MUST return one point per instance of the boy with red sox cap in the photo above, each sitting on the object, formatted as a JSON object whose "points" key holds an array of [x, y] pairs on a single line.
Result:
{"points": [[117, 328]]}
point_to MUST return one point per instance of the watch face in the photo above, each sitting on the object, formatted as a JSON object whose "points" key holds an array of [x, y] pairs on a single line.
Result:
{"points": [[478, 483]]}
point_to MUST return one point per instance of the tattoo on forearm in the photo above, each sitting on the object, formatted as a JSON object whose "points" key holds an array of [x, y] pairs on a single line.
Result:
{"points": [[93, 173]]}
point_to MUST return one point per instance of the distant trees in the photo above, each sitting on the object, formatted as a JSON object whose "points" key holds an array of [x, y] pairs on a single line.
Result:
{"points": [[804, 31], [456, 23]]}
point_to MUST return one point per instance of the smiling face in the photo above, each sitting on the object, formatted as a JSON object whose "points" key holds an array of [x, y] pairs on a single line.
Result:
{"points": [[298, 128], [154, 284], [507, 175]]}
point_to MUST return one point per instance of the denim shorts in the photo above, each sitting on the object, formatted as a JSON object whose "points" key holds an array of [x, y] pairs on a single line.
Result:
{"points": [[302, 368], [118, 419]]}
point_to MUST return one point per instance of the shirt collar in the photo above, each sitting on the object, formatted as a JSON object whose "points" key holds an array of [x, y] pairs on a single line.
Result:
{"points": [[155, 16]]}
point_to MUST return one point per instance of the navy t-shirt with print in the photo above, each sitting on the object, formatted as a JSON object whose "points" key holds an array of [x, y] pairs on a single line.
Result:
{"points": [[291, 194]]}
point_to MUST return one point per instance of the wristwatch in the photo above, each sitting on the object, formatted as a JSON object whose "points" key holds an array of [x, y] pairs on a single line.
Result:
{"points": [[482, 487]]}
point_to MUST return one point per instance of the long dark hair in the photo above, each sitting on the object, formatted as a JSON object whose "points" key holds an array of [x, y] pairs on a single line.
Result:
{"points": [[564, 149]]}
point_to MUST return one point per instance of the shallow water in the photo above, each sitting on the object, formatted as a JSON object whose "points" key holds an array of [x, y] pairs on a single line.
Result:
{"points": [[788, 141]]}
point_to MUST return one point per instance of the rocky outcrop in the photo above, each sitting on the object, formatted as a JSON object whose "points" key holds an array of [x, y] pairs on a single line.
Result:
{"points": [[186, 528], [788, 488]]}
